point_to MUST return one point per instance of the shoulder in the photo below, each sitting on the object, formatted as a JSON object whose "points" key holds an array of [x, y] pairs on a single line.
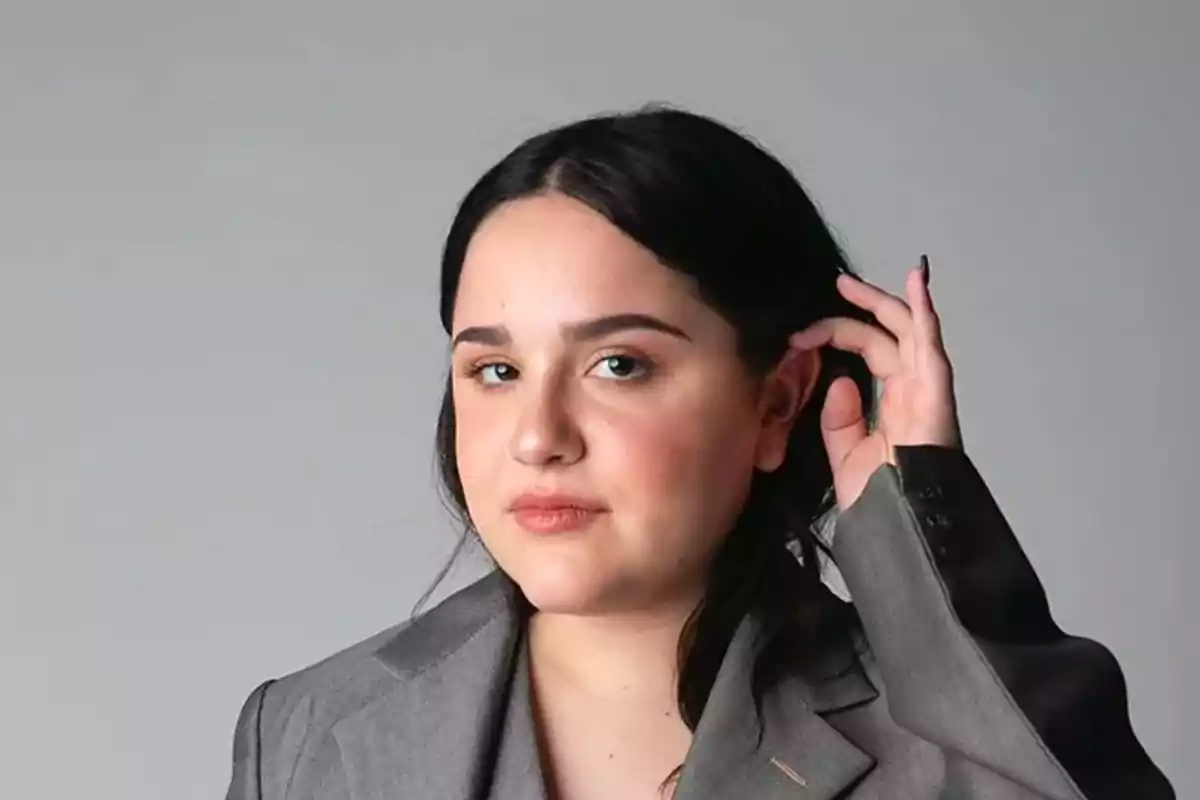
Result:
{"points": [[336, 679], [289, 720], [341, 683]]}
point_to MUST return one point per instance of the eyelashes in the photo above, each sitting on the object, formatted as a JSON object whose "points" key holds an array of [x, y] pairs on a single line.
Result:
{"points": [[621, 367], [477, 372], [639, 367]]}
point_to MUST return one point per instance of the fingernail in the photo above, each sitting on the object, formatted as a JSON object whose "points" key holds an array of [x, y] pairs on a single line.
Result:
{"points": [[925, 268]]}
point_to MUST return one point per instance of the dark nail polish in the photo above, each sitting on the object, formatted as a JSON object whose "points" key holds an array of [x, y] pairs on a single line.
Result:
{"points": [[925, 268]]}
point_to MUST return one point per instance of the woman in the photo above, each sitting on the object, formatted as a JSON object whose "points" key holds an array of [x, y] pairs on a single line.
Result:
{"points": [[662, 381]]}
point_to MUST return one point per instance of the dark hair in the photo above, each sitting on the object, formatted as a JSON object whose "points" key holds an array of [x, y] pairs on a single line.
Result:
{"points": [[715, 206]]}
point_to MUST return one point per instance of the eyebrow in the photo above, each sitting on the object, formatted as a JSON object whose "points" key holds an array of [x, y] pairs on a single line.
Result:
{"points": [[586, 330]]}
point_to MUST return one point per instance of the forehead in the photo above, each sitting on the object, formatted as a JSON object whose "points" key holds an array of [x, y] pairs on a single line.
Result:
{"points": [[552, 257]]}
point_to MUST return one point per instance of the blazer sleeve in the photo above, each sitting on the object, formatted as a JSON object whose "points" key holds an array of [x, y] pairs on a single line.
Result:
{"points": [[970, 657], [246, 780]]}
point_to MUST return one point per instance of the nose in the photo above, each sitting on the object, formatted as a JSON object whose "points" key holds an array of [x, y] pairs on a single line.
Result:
{"points": [[545, 432]]}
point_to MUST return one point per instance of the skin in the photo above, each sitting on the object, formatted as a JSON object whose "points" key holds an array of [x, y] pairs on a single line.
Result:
{"points": [[655, 419]]}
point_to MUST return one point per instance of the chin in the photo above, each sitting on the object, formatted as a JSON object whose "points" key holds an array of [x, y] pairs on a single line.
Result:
{"points": [[566, 589]]}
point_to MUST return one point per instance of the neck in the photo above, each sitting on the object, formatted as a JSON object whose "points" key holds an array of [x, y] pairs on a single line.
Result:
{"points": [[629, 654]]}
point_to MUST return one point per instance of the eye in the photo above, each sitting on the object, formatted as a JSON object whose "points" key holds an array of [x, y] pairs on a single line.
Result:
{"points": [[494, 372], [623, 367]]}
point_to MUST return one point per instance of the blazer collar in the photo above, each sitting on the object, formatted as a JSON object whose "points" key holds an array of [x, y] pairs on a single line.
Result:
{"points": [[437, 733], [433, 734], [791, 751]]}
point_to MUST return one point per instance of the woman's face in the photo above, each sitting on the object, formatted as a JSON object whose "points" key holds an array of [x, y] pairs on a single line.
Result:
{"points": [[583, 368]]}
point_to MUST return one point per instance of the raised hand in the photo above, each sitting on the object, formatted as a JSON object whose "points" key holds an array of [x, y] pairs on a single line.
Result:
{"points": [[917, 403]]}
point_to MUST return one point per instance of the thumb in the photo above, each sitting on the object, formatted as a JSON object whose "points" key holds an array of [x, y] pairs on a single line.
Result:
{"points": [[842, 422]]}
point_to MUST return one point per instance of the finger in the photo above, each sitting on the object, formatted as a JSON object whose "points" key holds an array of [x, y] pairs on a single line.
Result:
{"points": [[876, 346], [843, 425], [891, 311], [927, 327]]}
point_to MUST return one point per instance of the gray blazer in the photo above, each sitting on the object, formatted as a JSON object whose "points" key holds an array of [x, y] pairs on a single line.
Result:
{"points": [[967, 688]]}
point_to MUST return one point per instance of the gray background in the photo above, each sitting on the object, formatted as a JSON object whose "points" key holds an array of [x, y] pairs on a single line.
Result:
{"points": [[219, 231]]}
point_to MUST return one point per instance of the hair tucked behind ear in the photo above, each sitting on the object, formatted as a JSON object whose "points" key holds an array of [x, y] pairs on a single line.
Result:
{"points": [[713, 205]]}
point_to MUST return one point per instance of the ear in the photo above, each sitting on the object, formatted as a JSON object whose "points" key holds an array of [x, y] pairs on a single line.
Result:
{"points": [[785, 391]]}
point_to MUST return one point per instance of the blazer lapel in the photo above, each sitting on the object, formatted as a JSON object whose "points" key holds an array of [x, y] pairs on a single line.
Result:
{"points": [[433, 735], [454, 727], [517, 771], [800, 756]]}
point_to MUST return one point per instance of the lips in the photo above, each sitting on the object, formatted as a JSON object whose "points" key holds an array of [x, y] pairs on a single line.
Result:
{"points": [[557, 500], [554, 513]]}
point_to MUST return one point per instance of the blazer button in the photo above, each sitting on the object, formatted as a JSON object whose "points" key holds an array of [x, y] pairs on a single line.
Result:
{"points": [[940, 539], [930, 492], [936, 523]]}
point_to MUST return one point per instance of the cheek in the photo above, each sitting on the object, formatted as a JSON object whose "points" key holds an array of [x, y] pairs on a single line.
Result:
{"points": [[688, 463], [478, 443]]}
